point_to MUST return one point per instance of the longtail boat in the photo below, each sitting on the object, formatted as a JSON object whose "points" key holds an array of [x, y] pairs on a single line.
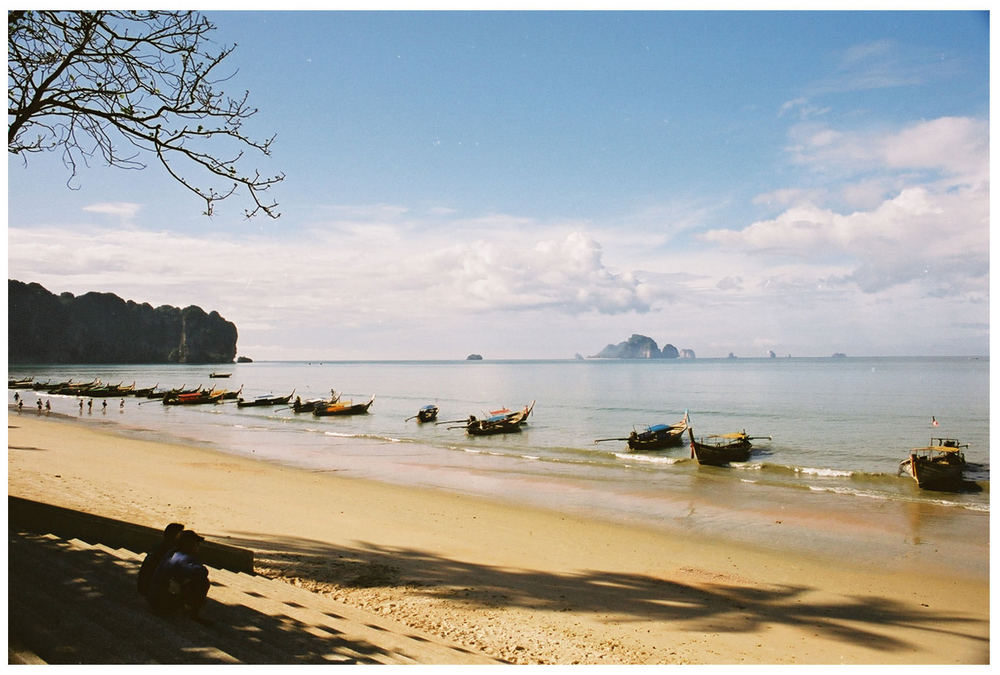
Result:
{"points": [[308, 406], [428, 413], [193, 398], [78, 389], [145, 391], [49, 386], [721, 449], [937, 466], [655, 437], [232, 394], [264, 400], [20, 384], [343, 408], [217, 374], [499, 423]]}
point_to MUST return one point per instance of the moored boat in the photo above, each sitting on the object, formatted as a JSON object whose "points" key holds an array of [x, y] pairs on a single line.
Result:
{"points": [[309, 405], [20, 384], [938, 466], [505, 422], [193, 398], [721, 449], [656, 437], [343, 408], [231, 394], [218, 374], [428, 413], [264, 400], [145, 391]]}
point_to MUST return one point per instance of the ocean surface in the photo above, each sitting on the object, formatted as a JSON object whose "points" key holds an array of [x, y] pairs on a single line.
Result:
{"points": [[826, 481]]}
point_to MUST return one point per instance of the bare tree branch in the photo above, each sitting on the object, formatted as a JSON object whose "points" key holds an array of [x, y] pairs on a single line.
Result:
{"points": [[89, 82]]}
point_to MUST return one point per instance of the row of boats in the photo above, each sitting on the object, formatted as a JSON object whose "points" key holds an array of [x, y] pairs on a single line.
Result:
{"points": [[937, 466], [940, 465]]}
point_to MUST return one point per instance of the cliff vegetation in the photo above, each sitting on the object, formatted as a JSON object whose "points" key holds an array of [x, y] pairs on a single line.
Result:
{"points": [[102, 328]]}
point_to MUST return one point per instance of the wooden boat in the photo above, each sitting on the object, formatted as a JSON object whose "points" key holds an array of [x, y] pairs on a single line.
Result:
{"points": [[215, 374], [193, 398], [308, 406], [343, 408], [721, 449], [232, 394], [78, 389], [264, 400], [500, 423], [20, 384], [49, 386], [428, 413], [145, 391], [172, 392], [937, 466], [656, 437], [111, 390]]}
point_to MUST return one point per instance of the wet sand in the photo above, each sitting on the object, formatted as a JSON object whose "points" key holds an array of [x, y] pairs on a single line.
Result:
{"points": [[524, 584]]}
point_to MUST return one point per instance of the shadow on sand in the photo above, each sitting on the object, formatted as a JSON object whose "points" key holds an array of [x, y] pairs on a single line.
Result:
{"points": [[712, 607]]}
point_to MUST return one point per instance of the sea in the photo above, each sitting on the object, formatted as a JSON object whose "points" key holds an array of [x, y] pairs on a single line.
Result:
{"points": [[823, 478]]}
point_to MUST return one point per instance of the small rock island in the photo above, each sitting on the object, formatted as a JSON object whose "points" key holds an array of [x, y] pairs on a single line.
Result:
{"points": [[642, 347]]}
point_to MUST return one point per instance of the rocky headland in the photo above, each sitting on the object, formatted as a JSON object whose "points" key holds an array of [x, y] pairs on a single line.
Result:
{"points": [[642, 347], [102, 328]]}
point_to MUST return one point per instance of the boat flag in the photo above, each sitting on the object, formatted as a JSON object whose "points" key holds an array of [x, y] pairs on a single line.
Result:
{"points": [[934, 421]]}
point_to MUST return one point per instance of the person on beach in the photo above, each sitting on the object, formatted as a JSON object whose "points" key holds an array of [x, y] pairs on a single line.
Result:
{"points": [[20, 404], [181, 581], [17, 397], [166, 547], [90, 405], [48, 406], [39, 404], [104, 406], [81, 406]]}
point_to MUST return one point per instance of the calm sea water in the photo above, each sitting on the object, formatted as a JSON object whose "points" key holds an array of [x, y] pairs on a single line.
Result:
{"points": [[839, 429]]}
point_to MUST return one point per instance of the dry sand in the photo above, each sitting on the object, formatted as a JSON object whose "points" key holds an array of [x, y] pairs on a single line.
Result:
{"points": [[521, 584]]}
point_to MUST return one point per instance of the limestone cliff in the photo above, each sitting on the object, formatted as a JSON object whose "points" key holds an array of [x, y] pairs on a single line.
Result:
{"points": [[640, 347], [103, 328]]}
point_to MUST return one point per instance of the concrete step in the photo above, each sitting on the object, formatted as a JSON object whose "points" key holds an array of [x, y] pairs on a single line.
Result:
{"points": [[72, 605], [76, 602]]}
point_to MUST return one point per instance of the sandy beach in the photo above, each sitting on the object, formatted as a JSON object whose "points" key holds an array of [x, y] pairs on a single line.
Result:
{"points": [[526, 585]]}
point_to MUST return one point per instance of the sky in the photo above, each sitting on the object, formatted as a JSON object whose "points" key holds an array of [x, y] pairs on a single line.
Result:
{"points": [[541, 184]]}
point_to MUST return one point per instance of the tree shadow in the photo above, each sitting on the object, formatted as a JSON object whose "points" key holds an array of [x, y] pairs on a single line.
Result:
{"points": [[72, 605], [621, 597]]}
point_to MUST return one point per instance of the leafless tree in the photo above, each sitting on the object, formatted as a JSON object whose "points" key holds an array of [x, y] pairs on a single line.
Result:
{"points": [[90, 83]]}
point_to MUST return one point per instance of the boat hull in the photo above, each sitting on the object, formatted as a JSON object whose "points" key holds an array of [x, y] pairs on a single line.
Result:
{"points": [[721, 454], [657, 438], [337, 409]]}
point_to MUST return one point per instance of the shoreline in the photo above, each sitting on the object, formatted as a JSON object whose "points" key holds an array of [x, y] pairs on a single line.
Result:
{"points": [[522, 583]]}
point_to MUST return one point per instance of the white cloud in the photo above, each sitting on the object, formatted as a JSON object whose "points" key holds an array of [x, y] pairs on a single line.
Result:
{"points": [[126, 211], [933, 230]]}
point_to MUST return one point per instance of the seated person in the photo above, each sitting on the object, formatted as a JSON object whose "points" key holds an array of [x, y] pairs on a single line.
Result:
{"points": [[180, 580], [153, 559]]}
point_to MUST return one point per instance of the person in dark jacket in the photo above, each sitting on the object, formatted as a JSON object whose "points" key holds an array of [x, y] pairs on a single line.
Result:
{"points": [[180, 580], [153, 558]]}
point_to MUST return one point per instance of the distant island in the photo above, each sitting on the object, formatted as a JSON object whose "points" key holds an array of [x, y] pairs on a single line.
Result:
{"points": [[474, 357], [642, 347], [102, 328]]}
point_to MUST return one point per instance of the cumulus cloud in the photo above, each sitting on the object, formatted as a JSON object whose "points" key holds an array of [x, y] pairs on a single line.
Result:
{"points": [[933, 230]]}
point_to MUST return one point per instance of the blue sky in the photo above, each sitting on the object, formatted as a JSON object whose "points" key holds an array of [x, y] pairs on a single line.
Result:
{"points": [[539, 184]]}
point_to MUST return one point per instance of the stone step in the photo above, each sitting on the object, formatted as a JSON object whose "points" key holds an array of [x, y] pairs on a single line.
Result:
{"points": [[61, 607], [257, 620]]}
